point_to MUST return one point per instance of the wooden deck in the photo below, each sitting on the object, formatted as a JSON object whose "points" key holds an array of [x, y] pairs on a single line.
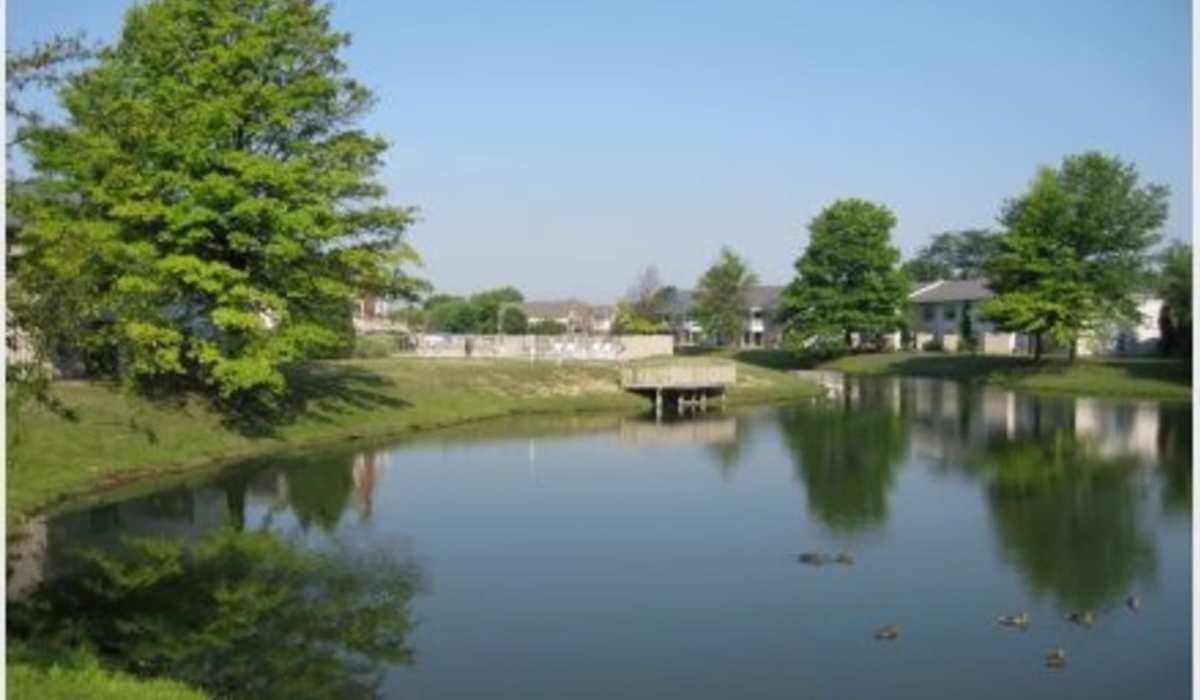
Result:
{"points": [[683, 384]]}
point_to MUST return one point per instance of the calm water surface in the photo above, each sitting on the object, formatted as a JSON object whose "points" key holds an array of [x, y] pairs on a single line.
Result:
{"points": [[609, 557]]}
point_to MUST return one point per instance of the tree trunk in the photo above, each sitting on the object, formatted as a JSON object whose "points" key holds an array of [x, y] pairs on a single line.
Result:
{"points": [[849, 341], [1037, 347], [1071, 349]]}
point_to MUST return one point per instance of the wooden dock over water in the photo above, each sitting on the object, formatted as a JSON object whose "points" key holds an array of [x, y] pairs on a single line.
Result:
{"points": [[683, 384]]}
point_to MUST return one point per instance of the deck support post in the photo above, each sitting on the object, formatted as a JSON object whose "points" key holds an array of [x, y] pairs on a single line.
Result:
{"points": [[658, 403]]}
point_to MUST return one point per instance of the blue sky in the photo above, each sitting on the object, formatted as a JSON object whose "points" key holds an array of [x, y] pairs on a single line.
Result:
{"points": [[559, 146]]}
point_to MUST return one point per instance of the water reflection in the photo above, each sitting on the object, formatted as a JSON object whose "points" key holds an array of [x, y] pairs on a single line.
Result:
{"points": [[1066, 515], [1061, 475], [1061, 497], [238, 614], [846, 453], [724, 436], [1175, 460]]}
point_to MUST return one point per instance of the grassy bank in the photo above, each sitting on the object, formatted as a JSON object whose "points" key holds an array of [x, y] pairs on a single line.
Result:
{"points": [[26, 682], [1150, 378], [109, 438]]}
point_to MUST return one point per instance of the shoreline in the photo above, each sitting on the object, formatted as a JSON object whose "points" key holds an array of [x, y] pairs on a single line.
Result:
{"points": [[136, 441], [1149, 379]]}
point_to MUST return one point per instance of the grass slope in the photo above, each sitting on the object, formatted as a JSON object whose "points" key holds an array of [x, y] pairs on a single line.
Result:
{"points": [[113, 438], [1150, 378], [26, 682]]}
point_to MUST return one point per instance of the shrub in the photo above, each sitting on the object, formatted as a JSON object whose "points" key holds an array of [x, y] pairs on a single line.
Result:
{"points": [[376, 345]]}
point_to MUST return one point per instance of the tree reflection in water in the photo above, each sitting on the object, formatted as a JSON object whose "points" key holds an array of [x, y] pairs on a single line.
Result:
{"points": [[846, 458], [1175, 458], [319, 490], [241, 615], [1068, 519]]}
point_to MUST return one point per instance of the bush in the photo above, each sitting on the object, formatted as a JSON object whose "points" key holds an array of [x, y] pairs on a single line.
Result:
{"points": [[377, 345], [547, 326], [932, 346]]}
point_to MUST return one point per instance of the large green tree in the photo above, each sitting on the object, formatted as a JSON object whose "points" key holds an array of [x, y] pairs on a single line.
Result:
{"points": [[846, 280], [210, 190], [953, 255], [722, 300], [1175, 287], [1075, 250]]}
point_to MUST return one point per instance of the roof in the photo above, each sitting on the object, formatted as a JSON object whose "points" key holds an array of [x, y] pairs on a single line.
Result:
{"points": [[679, 303], [951, 290], [763, 296]]}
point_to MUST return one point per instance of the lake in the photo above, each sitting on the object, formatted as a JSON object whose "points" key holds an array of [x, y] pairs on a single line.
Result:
{"points": [[620, 557]]}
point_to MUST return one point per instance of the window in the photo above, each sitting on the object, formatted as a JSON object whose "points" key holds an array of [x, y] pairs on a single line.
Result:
{"points": [[950, 313], [927, 312]]}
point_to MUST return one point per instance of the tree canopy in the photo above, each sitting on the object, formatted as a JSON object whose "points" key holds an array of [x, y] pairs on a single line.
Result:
{"points": [[1175, 287], [846, 280], [1075, 249], [953, 255], [479, 313], [210, 198], [722, 300]]}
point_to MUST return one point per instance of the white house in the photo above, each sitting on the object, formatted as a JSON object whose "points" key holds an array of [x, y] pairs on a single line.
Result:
{"points": [[938, 309], [761, 328]]}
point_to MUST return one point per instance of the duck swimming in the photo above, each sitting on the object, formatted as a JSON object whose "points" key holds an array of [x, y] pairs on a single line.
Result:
{"points": [[814, 558], [844, 558], [1019, 620], [1057, 658], [887, 632], [1133, 603], [1087, 618]]}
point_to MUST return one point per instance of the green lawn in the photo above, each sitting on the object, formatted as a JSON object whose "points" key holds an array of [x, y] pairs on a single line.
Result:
{"points": [[111, 438], [1152, 378], [26, 682]]}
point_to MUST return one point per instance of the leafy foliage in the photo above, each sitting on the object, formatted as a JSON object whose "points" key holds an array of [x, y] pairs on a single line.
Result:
{"points": [[547, 326], [644, 309], [722, 302], [481, 313], [1075, 249], [209, 199], [241, 615], [1175, 287], [953, 255], [44, 65], [846, 280]]}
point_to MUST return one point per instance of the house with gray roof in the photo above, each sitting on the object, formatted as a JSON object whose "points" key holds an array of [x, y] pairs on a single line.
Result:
{"points": [[941, 311], [761, 328]]}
